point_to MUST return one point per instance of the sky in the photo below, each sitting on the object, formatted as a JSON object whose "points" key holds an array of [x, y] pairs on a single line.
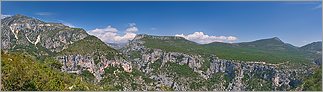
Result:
{"points": [[297, 23]]}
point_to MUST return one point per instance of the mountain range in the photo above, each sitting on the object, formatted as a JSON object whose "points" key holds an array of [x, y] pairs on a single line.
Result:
{"points": [[68, 58]]}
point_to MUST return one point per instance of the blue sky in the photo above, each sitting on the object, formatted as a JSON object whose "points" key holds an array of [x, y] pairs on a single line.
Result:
{"points": [[297, 23]]}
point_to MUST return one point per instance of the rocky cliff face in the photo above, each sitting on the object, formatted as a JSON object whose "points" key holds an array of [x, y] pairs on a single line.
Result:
{"points": [[21, 30], [236, 75], [93, 55], [138, 67], [78, 63], [26, 34]]}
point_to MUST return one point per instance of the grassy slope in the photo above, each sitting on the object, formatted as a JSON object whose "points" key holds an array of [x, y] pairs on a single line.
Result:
{"points": [[314, 82], [277, 54], [21, 72], [90, 45], [315, 46], [247, 53]]}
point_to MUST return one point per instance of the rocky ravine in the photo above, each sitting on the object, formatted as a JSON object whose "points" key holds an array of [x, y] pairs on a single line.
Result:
{"points": [[168, 70], [240, 73]]}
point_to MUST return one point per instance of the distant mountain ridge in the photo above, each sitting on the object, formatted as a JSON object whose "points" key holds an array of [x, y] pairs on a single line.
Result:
{"points": [[80, 61], [269, 44], [258, 50], [315, 46]]}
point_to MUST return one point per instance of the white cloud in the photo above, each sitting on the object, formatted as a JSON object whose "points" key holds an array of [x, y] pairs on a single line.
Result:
{"points": [[44, 13], [110, 34], [104, 30], [231, 38], [68, 24], [202, 38], [4, 16], [132, 28]]}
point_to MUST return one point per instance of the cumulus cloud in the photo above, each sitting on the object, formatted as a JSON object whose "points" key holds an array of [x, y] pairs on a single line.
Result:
{"points": [[60, 21], [4, 16], [66, 23], [202, 38], [231, 38], [110, 34], [104, 30], [132, 28], [69, 24]]}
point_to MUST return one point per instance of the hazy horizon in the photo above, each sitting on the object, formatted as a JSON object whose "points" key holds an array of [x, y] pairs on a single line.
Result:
{"points": [[297, 23]]}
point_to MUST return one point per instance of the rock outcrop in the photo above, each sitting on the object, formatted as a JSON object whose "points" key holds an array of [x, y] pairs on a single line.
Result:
{"points": [[139, 67], [44, 39], [240, 74], [21, 30], [79, 63]]}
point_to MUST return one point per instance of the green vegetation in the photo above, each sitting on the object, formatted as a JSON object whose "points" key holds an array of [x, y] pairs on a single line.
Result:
{"points": [[135, 54], [196, 85], [216, 79], [315, 46], [88, 45], [181, 70], [156, 64], [38, 51], [52, 33], [110, 70], [206, 64], [166, 88], [258, 84], [88, 76], [179, 58], [246, 53], [52, 63], [137, 73], [29, 67], [119, 79], [172, 45], [21, 72], [267, 50], [314, 82], [91, 45]]}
